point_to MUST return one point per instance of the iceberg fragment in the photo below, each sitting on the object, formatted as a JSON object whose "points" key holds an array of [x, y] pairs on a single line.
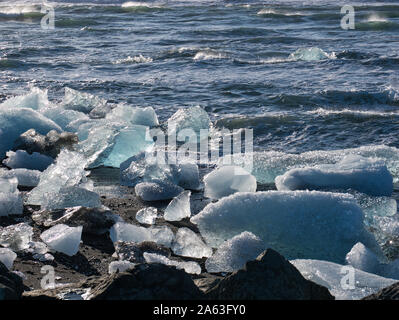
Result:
{"points": [[369, 176], [71, 197], [188, 266], [80, 101], [120, 266], [10, 199], [147, 215], [25, 177], [298, 224], [22, 159], [7, 257], [363, 259], [179, 207], [162, 235], [36, 99], [188, 176], [62, 238], [234, 253], [189, 244], [64, 117], [157, 190], [16, 237], [142, 116], [227, 180], [126, 232]]}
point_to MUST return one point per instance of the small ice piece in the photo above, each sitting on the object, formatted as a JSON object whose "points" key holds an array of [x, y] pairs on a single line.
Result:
{"points": [[189, 244], [62, 238], [162, 235], [142, 116], [25, 177], [120, 266], [22, 159], [11, 204], [365, 175], [228, 180], [188, 176], [80, 101], [36, 99], [8, 184], [36, 247], [330, 275], [363, 259], [71, 197], [147, 215], [189, 266], [157, 190], [7, 257], [194, 119], [16, 236], [122, 231], [64, 117], [179, 207], [43, 257], [234, 253]]}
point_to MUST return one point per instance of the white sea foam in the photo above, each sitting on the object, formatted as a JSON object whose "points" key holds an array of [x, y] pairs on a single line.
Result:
{"points": [[135, 59]]}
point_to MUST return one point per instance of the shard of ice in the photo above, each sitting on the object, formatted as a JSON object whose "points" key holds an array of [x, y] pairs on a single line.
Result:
{"points": [[179, 207], [369, 176], [188, 266], [36, 99], [141, 116], [363, 259], [80, 101], [25, 177], [343, 282], [22, 159], [8, 184], [298, 224], [10, 199], [162, 235], [67, 171], [16, 237], [120, 266], [122, 231], [228, 180], [188, 176], [71, 197], [147, 215], [234, 253], [189, 244], [7, 257], [64, 117], [157, 190], [62, 238]]}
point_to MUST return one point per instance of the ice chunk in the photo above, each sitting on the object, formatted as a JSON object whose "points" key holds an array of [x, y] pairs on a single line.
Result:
{"points": [[10, 203], [188, 176], [16, 237], [142, 116], [375, 206], [157, 190], [310, 54], [122, 231], [270, 164], [7, 257], [162, 235], [331, 275], [363, 259], [193, 118], [71, 197], [228, 180], [365, 175], [147, 215], [298, 224], [25, 177], [64, 117], [188, 266], [36, 99], [80, 101], [67, 171], [112, 144], [22, 159], [14, 122], [8, 184], [179, 207], [234, 253], [120, 266], [189, 244], [62, 238]]}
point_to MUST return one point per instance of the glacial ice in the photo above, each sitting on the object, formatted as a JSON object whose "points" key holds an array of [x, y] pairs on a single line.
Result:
{"points": [[147, 215], [188, 244], [298, 224], [363, 259], [22, 159], [162, 235], [71, 197], [157, 190], [8, 185], [10, 201], [134, 116], [193, 118], [80, 101], [365, 175], [25, 177], [332, 276], [14, 122], [36, 99], [234, 253], [67, 171], [16, 236], [64, 117], [270, 164], [227, 180], [63, 238], [179, 207], [188, 176], [120, 266], [188, 266], [7, 257]]}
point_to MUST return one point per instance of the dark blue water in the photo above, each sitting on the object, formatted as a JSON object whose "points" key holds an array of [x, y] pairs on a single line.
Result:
{"points": [[242, 61]]}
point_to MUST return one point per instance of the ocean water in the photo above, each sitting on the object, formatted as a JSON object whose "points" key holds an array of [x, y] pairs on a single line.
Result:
{"points": [[283, 68]]}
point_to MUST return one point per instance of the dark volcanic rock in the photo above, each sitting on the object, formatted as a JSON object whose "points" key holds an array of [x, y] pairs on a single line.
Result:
{"points": [[50, 144], [269, 277], [93, 220], [388, 293], [133, 252], [11, 286]]}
